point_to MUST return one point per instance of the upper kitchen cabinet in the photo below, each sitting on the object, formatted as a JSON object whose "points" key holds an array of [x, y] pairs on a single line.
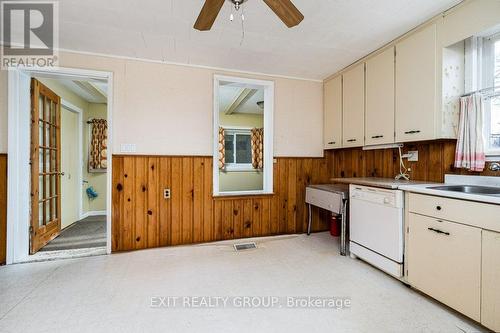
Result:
{"points": [[380, 99], [333, 113], [416, 86], [353, 129]]}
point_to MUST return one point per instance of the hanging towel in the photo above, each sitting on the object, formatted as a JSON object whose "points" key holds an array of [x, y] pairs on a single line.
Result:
{"points": [[469, 153], [98, 146], [91, 193], [258, 148]]}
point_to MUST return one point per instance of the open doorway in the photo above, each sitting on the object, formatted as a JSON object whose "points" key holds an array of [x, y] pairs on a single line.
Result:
{"points": [[72, 164], [69, 170], [243, 136]]}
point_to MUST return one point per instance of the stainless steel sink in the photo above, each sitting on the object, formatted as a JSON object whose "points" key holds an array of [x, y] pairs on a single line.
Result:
{"points": [[470, 189]]}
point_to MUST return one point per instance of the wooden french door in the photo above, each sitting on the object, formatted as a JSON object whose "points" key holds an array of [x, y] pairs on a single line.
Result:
{"points": [[45, 166]]}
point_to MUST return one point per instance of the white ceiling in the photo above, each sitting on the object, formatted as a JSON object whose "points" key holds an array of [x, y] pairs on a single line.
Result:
{"points": [[334, 33], [91, 92], [227, 94]]}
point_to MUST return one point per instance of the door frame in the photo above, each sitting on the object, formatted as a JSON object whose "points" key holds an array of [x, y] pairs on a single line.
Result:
{"points": [[269, 97], [75, 109], [19, 118]]}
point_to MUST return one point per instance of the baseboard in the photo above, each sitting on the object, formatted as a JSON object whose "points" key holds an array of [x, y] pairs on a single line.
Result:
{"points": [[92, 213]]}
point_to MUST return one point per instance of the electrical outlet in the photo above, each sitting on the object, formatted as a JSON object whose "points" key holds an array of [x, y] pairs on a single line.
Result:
{"points": [[128, 148], [166, 193], [413, 156]]}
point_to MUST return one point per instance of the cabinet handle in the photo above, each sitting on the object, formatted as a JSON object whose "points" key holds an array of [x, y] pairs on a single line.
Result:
{"points": [[331, 142], [412, 132], [438, 207], [377, 136], [351, 140], [439, 231]]}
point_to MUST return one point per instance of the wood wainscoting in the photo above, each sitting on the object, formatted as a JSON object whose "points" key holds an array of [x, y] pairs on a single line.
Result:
{"points": [[3, 208], [142, 218], [435, 159]]}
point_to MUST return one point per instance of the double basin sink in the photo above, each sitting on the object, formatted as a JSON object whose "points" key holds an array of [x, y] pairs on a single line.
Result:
{"points": [[469, 189]]}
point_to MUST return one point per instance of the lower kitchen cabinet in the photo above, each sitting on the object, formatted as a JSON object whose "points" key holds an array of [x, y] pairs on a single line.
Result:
{"points": [[444, 261], [490, 302]]}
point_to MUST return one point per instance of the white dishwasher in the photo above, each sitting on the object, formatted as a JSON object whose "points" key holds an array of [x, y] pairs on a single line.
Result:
{"points": [[377, 227]]}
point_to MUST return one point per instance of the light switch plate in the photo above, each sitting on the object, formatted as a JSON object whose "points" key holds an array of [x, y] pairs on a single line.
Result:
{"points": [[128, 148], [413, 156], [166, 193]]}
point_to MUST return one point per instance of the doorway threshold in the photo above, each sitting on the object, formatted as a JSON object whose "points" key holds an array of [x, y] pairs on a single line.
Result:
{"points": [[65, 254]]}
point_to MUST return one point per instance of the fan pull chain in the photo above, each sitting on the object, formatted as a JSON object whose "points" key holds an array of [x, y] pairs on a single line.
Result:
{"points": [[242, 24]]}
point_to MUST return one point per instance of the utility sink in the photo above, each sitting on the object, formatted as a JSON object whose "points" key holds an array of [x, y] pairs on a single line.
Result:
{"points": [[469, 189]]}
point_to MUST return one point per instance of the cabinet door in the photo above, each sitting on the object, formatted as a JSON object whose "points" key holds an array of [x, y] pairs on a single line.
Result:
{"points": [[333, 113], [380, 99], [416, 86], [444, 261], [490, 302], [354, 107]]}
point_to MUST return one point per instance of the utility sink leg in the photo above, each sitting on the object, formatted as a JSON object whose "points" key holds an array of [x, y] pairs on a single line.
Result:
{"points": [[309, 220]]}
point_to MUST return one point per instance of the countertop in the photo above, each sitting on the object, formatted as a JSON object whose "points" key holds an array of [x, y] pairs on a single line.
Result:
{"points": [[424, 189], [341, 189], [388, 183]]}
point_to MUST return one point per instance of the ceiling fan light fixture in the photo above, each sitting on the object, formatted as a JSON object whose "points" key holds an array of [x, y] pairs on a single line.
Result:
{"points": [[284, 9], [237, 3]]}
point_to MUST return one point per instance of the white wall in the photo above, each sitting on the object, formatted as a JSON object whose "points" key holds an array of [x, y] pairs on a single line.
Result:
{"points": [[155, 105], [241, 120], [3, 112]]}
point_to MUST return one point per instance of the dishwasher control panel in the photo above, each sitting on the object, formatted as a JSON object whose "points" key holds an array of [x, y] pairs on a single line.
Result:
{"points": [[391, 198]]}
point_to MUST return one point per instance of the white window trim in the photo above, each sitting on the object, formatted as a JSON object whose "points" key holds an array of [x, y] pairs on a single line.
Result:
{"points": [[487, 62], [268, 87]]}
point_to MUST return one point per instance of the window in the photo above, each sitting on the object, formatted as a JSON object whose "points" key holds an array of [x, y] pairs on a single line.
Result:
{"points": [[491, 79], [482, 62], [238, 146]]}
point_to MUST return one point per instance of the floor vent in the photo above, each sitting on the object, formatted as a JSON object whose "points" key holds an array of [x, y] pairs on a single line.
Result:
{"points": [[245, 246]]}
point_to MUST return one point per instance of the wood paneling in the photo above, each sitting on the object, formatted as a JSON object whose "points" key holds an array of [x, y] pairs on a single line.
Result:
{"points": [[435, 159], [3, 208], [142, 218]]}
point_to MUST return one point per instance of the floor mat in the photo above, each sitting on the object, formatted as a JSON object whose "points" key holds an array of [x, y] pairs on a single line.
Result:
{"points": [[86, 233]]}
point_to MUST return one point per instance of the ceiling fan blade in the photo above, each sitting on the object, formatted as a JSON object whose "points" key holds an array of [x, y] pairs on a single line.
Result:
{"points": [[286, 11], [208, 14]]}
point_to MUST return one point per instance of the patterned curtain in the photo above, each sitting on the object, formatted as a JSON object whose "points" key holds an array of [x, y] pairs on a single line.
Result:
{"points": [[258, 148], [98, 152], [222, 149]]}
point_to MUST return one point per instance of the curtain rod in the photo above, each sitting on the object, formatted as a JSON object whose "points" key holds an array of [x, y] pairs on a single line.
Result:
{"points": [[481, 90], [91, 120]]}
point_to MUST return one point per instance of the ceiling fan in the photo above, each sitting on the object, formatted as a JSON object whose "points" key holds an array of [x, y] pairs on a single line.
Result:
{"points": [[284, 9]]}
